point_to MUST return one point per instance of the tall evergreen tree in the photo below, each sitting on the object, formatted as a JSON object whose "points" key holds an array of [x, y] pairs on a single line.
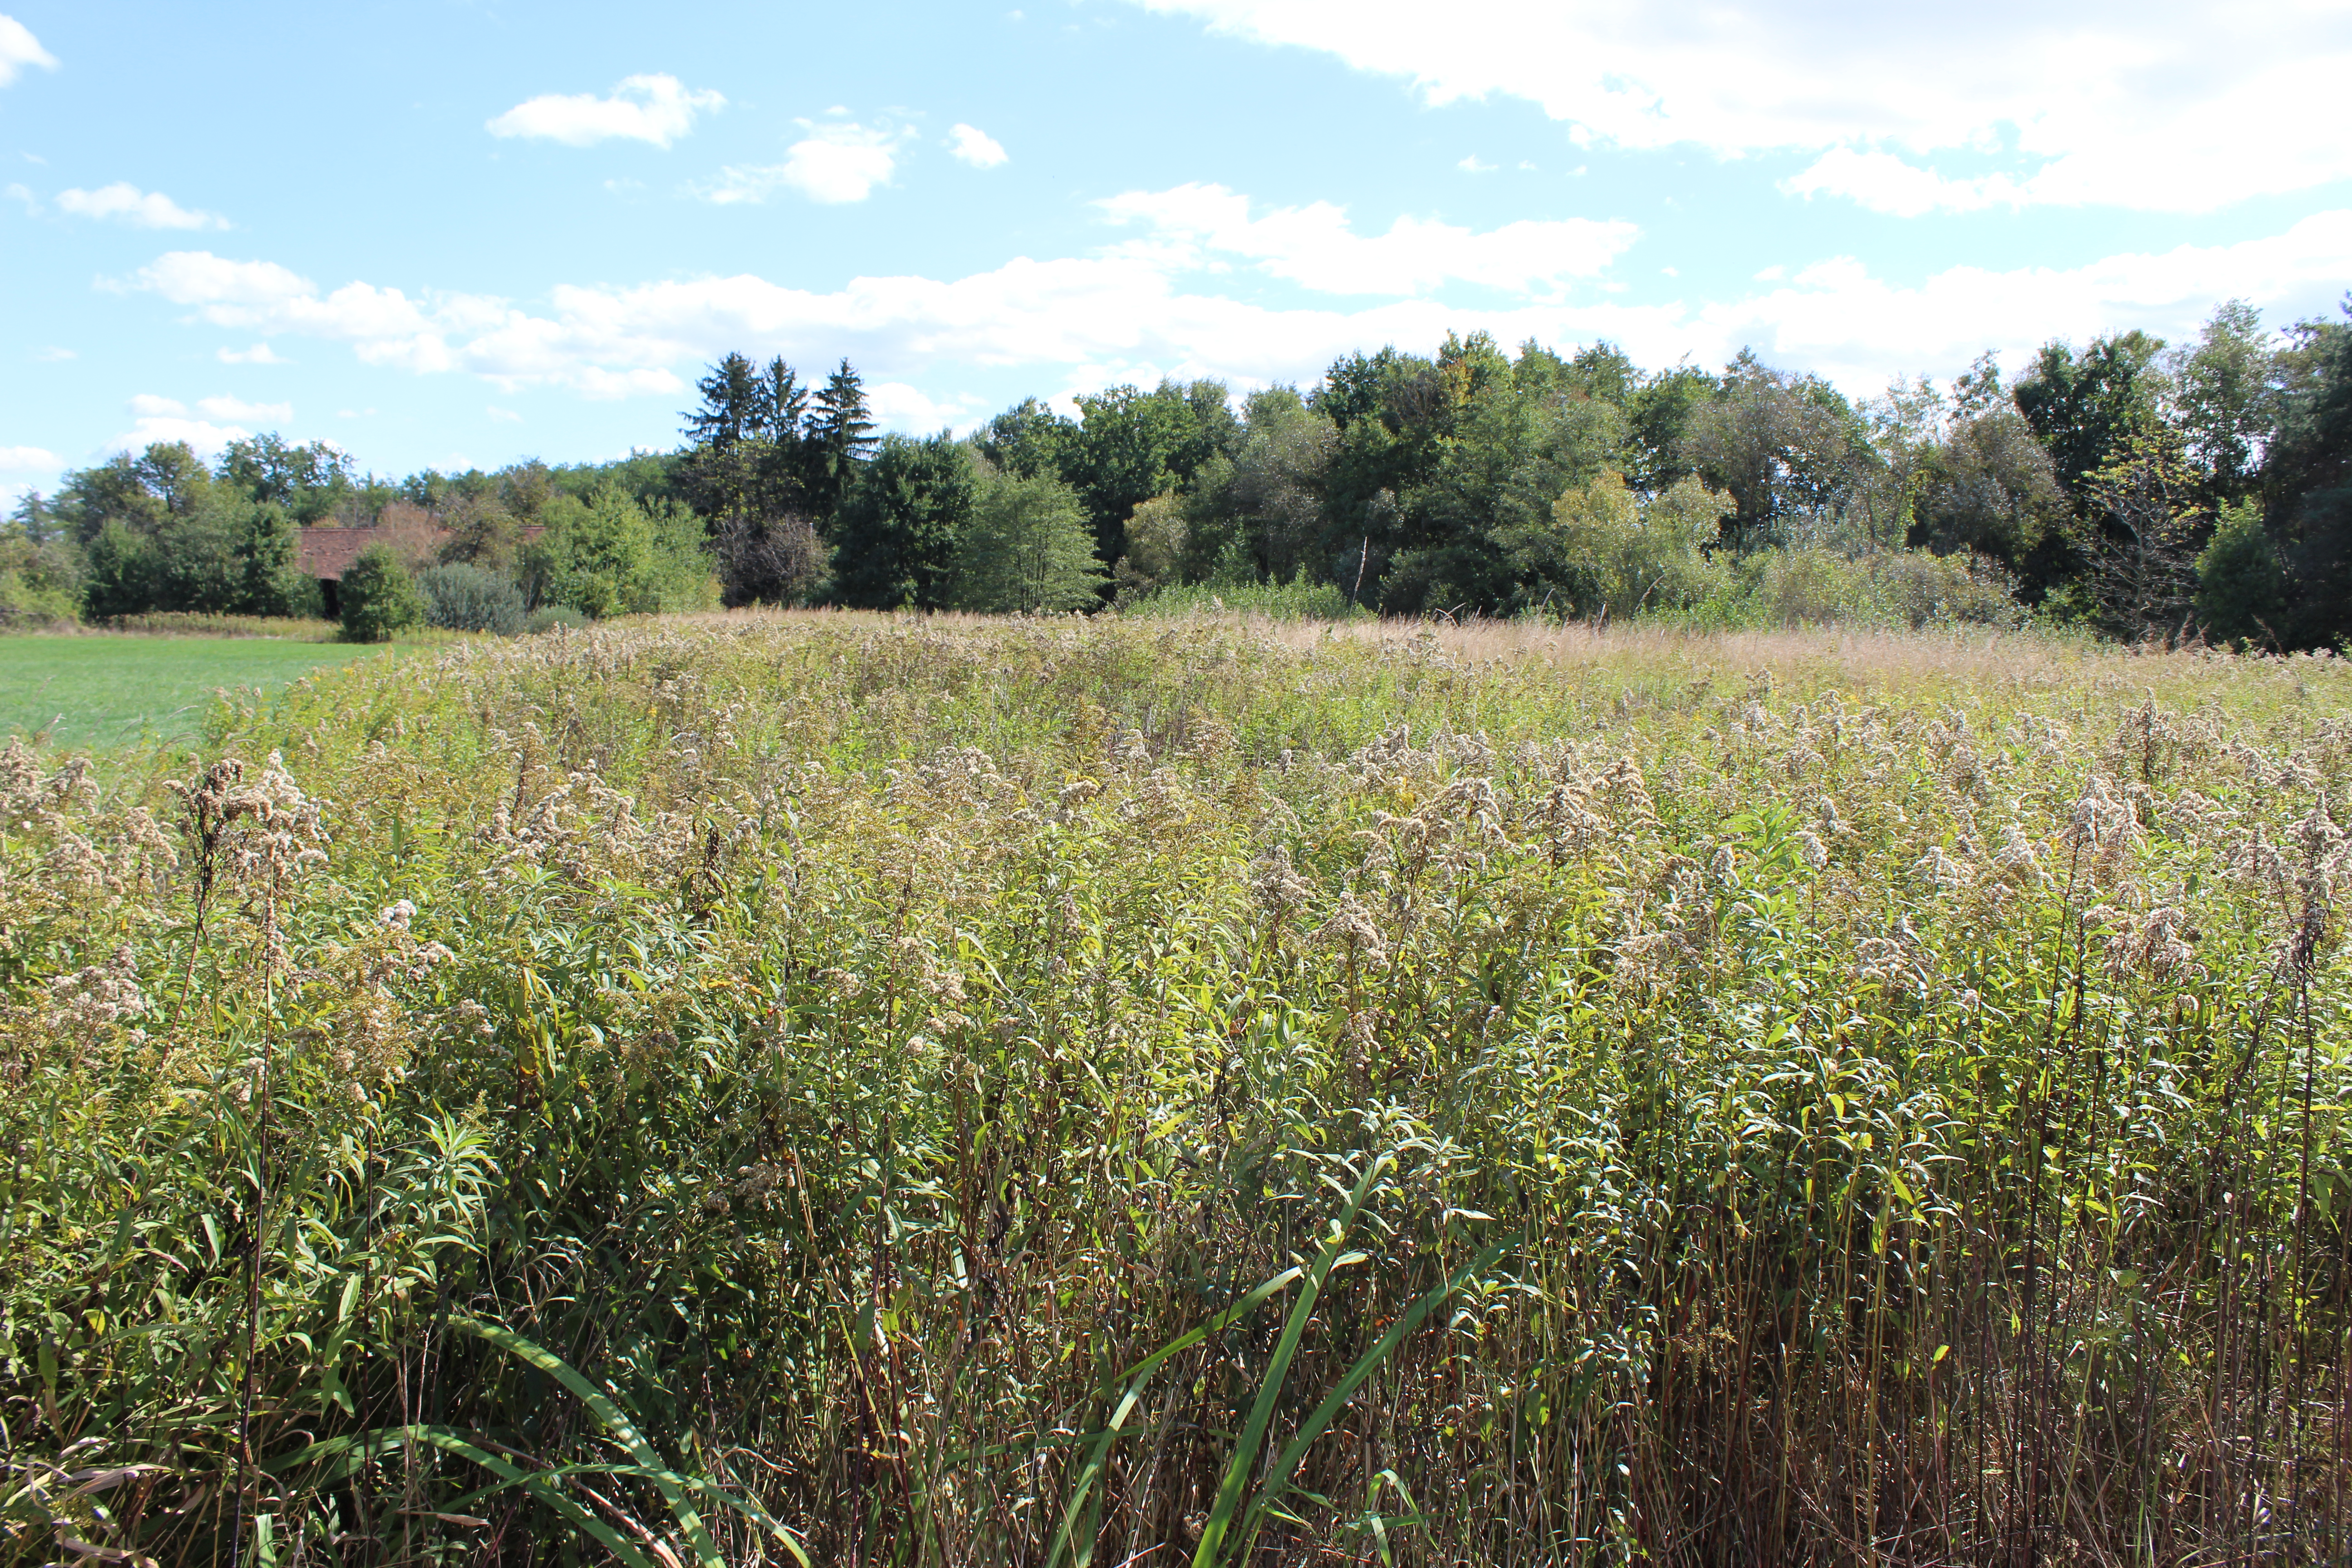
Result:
{"points": [[840, 433], [732, 409], [748, 465]]}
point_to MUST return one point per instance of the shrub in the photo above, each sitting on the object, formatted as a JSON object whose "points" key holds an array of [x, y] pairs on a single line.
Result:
{"points": [[1630, 555], [40, 583], [1295, 601], [467, 598], [1912, 588], [1917, 588], [2241, 592], [611, 555], [550, 617], [769, 561], [379, 596]]}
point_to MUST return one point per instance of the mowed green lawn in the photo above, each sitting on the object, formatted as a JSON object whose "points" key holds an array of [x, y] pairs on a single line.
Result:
{"points": [[116, 691]]}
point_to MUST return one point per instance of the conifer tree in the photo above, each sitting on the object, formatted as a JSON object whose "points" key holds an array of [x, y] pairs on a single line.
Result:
{"points": [[840, 435]]}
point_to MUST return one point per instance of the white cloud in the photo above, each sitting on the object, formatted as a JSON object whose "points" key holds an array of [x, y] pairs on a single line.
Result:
{"points": [[17, 193], [503, 416], [899, 406], [19, 49], [2167, 105], [384, 325], [141, 209], [259, 354], [27, 460], [970, 144], [833, 163], [1133, 311], [1315, 247], [53, 354], [166, 420], [1883, 183], [658, 109], [208, 439], [1473, 166]]}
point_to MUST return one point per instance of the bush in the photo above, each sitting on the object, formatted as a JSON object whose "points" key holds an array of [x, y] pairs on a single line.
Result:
{"points": [[2241, 592], [1628, 556], [1294, 601], [611, 555], [40, 584], [550, 617], [196, 624], [1911, 588], [1917, 588], [770, 561], [465, 598], [379, 596]]}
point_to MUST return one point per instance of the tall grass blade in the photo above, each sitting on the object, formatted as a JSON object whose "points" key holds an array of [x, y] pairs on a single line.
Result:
{"points": [[1277, 1370]]}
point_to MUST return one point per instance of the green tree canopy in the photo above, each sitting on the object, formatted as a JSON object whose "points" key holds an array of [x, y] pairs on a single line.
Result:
{"points": [[379, 596], [1028, 547], [895, 540]]}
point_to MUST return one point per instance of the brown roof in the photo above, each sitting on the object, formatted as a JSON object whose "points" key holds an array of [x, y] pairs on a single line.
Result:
{"points": [[327, 553]]}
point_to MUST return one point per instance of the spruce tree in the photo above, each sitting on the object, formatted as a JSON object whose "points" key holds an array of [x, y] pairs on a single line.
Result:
{"points": [[841, 433]]}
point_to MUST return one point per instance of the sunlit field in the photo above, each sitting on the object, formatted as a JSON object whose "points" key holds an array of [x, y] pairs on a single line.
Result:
{"points": [[113, 691], [848, 1090]]}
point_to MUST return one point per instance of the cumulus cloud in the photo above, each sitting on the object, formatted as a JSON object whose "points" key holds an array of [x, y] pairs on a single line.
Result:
{"points": [[1883, 183], [166, 420], [970, 144], [19, 49], [900, 406], [1315, 247], [1134, 312], [27, 460], [833, 163], [126, 203], [384, 325], [2167, 105], [657, 108], [1856, 328], [259, 354]]}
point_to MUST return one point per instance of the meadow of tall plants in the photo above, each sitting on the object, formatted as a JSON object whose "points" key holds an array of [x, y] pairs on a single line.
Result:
{"points": [[824, 1088]]}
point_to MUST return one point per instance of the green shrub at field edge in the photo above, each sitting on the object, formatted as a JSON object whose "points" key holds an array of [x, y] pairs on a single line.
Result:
{"points": [[465, 598], [379, 596]]}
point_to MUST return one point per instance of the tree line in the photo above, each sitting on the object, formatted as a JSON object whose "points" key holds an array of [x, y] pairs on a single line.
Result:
{"points": [[2144, 488]]}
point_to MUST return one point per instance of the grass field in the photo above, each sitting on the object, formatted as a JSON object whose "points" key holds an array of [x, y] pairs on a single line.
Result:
{"points": [[957, 1092], [112, 691]]}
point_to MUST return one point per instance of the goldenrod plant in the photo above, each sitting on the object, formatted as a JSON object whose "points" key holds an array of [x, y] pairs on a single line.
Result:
{"points": [[831, 1086]]}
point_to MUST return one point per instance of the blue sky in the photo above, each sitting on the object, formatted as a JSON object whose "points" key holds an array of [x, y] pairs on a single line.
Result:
{"points": [[447, 233]]}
